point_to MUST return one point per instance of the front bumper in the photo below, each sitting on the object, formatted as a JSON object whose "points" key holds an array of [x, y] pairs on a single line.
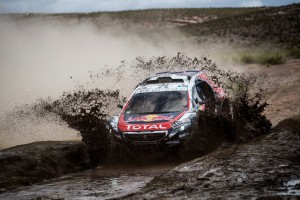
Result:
{"points": [[165, 137]]}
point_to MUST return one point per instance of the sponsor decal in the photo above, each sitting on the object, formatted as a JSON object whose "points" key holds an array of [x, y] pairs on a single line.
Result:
{"points": [[139, 127], [203, 76], [201, 107], [183, 86], [164, 88], [150, 118]]}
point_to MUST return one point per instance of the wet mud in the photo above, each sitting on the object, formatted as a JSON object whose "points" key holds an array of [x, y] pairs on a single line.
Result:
{"points": [[268, 167], [31, 163], [87, 111], [103, 182], [237, 154]]}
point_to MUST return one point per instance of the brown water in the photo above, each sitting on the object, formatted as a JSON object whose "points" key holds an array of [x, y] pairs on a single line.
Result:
{"points": [[104, 182]]}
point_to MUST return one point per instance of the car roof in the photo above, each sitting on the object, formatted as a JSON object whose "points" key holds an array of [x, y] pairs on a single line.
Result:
{"points": [[180, 77], [188, 73]]}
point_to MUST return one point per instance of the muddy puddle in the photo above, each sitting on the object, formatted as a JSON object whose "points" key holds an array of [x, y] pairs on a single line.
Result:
{"points": [[103, 182]]}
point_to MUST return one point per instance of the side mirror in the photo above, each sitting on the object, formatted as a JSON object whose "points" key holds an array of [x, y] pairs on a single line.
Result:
{"points": [[198, 101], [120, 106]]}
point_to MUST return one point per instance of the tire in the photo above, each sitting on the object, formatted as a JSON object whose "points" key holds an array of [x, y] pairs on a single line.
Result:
{"points": [[226, 108]]}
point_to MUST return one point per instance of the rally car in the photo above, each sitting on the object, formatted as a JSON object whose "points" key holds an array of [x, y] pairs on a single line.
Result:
{"points": [[162, 108]]}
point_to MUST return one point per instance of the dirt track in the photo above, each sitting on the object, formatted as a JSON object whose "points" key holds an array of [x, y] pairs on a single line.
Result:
{"points": [[263, 168], [267, 167], [285, 102], [101, 183]]}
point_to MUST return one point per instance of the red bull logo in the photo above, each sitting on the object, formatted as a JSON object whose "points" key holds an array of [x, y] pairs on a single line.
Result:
{"points": [[144, 127], [150, 118]]}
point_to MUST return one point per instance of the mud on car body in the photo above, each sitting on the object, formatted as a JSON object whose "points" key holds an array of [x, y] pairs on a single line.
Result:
{"points": [[162, 108]]}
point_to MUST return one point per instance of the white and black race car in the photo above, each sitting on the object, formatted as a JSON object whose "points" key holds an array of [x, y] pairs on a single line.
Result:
{"points": [[162, 108]]}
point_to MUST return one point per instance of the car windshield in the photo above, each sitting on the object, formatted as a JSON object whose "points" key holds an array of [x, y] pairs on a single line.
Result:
{"points": [[158, 102]]}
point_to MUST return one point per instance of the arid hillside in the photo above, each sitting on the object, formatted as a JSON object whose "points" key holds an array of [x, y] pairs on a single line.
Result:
{"points": [[63, 75]]}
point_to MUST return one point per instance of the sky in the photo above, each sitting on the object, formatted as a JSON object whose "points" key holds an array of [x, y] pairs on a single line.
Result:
{"points": [[66, 6]]}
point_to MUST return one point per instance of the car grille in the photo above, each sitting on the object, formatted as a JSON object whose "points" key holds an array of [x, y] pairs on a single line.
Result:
{"points": [[154, 136]]}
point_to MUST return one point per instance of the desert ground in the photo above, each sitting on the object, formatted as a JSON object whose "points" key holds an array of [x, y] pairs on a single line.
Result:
{"points": [[46, 57]]}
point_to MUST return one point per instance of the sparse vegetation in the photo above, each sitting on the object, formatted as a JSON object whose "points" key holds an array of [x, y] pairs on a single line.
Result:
{"points": [[240, 26], [258, 28], [217, 175], [278, 26], [263, 58], [294, 52]]}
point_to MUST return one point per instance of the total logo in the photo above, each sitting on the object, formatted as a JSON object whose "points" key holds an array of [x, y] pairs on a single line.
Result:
{"points": [[139, 127]]}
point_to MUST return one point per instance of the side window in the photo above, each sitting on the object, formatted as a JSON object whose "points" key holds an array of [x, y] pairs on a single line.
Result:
{"points": [[194, 96], [208, 94], [197, 95], [200, 93], [204, 94]]}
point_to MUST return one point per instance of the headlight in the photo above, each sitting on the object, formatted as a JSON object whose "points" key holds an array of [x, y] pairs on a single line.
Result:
{"points": [[180, 126], [180, 123], [113, 123]]}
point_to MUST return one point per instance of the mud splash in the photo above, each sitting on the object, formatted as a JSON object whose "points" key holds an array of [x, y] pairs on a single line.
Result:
{"points": [[87, 111], [241, 120], [135, 71]]}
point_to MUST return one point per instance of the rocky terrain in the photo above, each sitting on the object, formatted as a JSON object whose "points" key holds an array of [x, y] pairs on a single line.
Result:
{"points": [[265, 168], [265, 40], [31, 163]]}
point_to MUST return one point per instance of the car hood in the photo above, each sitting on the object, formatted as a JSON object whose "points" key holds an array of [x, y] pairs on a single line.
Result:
{"points": [[142, 118], [148, 122]]}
